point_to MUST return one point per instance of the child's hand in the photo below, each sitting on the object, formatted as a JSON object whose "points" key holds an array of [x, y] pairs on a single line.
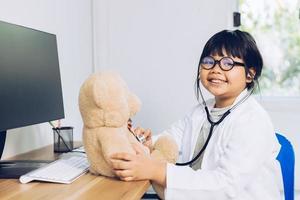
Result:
{"points": [[146, 134], [130, 167]]}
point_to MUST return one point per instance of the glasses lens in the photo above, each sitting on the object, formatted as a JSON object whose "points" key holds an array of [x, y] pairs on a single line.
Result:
{"points": [[207, 62], [226, 63]]}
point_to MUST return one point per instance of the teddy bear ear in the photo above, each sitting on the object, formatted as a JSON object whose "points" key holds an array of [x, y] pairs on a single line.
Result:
{"points": [[109, 94]]}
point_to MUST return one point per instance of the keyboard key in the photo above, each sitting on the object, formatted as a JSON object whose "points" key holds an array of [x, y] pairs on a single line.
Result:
{"points": [[64, 170]]}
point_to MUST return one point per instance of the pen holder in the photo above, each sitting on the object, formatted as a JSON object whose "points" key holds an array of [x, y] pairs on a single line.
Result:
{"points": [[63, 139]]}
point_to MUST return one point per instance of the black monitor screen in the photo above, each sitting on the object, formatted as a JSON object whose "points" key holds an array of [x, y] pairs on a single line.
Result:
{"points": [[30, 84]]}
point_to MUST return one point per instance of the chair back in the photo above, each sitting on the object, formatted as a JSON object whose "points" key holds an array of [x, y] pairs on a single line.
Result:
{"points": [[286, 157]]}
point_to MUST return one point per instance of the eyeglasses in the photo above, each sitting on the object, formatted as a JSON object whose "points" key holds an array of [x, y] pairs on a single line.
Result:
{"points": [[225, 63]]}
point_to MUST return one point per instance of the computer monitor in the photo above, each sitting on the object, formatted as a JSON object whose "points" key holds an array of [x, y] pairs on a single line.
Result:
{"points": [[30, 83]]}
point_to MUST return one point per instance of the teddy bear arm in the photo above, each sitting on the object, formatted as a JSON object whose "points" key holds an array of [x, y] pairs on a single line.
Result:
{"points": [[114, 140], [165, 148]]}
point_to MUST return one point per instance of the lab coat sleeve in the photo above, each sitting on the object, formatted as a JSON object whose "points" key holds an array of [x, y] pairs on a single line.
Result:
{"points": [[250, 143]]}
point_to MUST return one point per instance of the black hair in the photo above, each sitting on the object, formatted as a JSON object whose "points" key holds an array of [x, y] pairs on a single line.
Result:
{"points": [[237, 44]]}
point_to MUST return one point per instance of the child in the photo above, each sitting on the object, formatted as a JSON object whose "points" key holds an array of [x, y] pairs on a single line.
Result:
{"points": [[228, 145]]}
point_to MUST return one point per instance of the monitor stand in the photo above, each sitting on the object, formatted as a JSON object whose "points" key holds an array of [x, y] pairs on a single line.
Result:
{"points": [[16, 168]]}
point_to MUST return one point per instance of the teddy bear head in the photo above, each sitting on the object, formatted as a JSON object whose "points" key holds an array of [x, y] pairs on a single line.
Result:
{"points": [[105, 100]]}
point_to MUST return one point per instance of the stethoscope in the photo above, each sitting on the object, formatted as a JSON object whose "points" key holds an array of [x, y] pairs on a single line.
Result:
{"points": [[139, 138], [213, 124]]}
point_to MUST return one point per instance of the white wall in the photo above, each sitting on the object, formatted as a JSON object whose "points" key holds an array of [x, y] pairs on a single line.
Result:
{"points": [[156, 44], [71, 22]]}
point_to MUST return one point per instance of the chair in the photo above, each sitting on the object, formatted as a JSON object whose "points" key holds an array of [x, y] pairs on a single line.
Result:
{"points": [[286, 158]]}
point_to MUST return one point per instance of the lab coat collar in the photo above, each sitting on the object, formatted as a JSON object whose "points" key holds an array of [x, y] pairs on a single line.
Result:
{"points": [[198, 122], [240, 97]]}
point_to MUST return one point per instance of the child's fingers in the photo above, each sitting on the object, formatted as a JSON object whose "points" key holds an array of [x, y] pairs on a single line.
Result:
{"points": [[119, 165], [124, 174], [142, 133], [129, 178], [121, 156], [147, 134], [139, 131]]}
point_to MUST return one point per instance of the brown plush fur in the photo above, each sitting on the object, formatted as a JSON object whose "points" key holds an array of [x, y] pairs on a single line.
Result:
{"points": [[106, 104]]}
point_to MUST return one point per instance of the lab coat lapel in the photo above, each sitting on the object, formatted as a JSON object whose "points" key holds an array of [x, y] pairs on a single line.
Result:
{"points": [[219, 130], [197, 123]]}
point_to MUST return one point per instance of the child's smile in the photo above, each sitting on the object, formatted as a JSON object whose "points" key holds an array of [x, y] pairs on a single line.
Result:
{"points": [[224, 85], [214, 80]]}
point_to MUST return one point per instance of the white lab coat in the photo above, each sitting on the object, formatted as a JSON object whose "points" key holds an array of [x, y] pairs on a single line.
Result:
{"points": [[239, 162]]}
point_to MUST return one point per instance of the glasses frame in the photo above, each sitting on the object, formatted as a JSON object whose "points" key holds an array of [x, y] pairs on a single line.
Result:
{"points": [[219, 63]]}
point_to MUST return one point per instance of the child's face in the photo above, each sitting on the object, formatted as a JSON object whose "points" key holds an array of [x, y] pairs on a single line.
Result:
{"points": [[224, 85]]}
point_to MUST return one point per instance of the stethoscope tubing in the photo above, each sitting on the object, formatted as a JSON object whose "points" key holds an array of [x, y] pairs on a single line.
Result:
{"points": [[212, 125]]}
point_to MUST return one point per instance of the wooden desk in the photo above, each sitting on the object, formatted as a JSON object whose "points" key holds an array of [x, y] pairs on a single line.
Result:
{"points": [[87, 187]]}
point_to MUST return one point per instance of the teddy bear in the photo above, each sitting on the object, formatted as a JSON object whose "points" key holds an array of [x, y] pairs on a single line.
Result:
{"points": [[106, 104]]}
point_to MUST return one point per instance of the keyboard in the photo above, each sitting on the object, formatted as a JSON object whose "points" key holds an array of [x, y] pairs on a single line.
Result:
{"points": [[64, 170]]}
